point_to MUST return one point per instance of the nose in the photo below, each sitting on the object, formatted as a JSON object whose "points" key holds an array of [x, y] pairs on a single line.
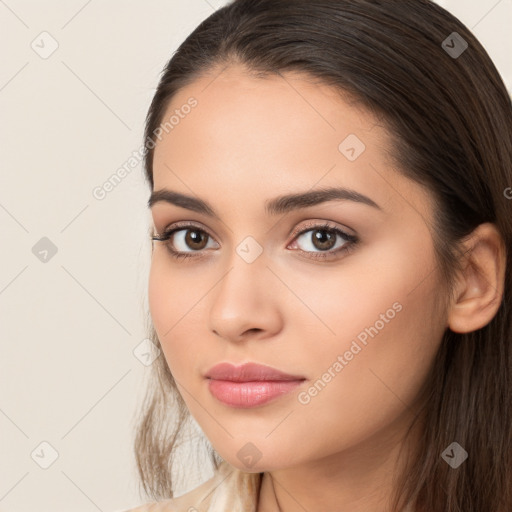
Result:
{"points": [[245, 303]]}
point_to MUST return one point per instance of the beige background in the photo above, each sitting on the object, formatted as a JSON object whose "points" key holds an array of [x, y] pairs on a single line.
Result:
{"points": [[69, 325]]}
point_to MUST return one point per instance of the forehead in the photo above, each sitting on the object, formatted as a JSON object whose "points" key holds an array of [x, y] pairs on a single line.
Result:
{"points": [[273, 134], [233, 103]]}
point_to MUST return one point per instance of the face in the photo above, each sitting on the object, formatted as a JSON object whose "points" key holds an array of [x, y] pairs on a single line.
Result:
{"points": [[341, 291]]}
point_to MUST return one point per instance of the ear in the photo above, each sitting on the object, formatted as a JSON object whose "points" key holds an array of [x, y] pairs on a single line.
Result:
{"points": [[480, 286]]}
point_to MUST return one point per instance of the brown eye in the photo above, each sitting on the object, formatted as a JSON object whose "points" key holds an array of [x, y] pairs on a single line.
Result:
{"points": [[323, 239], [186, 241], [195, 238]]}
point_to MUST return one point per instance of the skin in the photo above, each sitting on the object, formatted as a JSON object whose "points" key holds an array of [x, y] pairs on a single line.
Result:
{"points": [[247, 141]]}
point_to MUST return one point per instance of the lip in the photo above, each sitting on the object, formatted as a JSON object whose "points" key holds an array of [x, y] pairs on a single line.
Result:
{"points": [[250, 384], [248, 372]]}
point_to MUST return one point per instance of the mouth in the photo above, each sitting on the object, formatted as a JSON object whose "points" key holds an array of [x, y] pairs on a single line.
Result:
{"points": [[249, 385], [249, 372]]}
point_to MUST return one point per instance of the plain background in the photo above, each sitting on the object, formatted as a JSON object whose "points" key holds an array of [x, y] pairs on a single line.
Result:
{"points": [[69, 325]]}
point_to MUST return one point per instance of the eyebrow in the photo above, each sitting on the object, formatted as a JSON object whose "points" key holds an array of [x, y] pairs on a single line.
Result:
{"points": [[276, 206]]}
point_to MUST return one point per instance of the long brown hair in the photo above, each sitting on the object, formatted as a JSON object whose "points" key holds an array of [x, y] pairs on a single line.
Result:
{"points": [[449, 114]]}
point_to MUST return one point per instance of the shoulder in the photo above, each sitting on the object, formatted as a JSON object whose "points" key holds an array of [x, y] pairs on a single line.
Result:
{"points": [[228, 490]]}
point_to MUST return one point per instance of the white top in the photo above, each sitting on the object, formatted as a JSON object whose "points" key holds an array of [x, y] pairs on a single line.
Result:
{"points": [[229, 490]]}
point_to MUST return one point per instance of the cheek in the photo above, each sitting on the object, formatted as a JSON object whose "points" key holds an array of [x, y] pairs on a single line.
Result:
{"points": [[174, 300], [165, 300], [380, 309], [382, 295], [387, 285], [160, 295], [376, 381], [171, 291]]}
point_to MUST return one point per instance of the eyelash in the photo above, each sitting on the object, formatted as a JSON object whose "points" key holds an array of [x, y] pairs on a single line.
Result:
{"points": [[346, 248]]}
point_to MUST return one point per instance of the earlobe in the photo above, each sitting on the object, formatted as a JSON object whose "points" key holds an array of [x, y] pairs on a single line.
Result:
{"points": [[480, 286]]}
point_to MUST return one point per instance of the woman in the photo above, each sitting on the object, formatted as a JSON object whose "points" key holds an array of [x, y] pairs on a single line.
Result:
{"points": [[330, 190]]}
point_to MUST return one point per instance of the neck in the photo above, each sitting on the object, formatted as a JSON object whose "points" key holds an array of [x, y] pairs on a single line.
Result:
{"points": [[359, 479]]}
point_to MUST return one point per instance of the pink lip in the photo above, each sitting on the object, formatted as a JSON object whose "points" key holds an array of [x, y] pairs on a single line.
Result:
{"points": [[249, 385], [248, 372]]}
